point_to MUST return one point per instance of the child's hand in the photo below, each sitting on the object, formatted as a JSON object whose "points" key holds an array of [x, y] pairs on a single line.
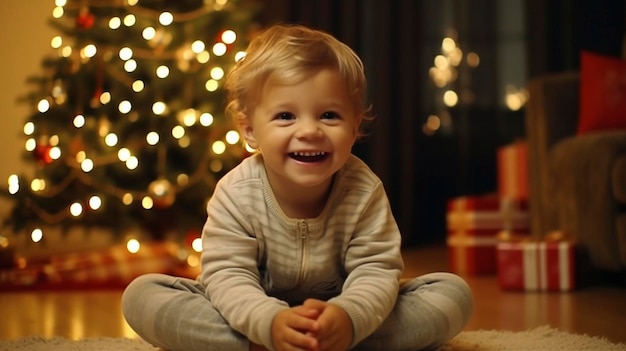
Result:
{"points": [[335, 326], [294, 329]]}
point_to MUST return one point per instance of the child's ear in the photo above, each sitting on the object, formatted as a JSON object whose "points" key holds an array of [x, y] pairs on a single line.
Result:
{"points": [[246, 130]]}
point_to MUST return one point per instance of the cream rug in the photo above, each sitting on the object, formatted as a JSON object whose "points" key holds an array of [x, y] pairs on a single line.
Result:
{"points": [[542, 338]]}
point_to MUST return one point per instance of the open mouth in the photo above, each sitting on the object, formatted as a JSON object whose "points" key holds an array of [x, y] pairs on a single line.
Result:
{"points": [[304, 156]]}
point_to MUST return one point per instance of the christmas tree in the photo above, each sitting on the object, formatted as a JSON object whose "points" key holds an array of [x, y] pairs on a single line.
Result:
{"points": [[127, 129]]}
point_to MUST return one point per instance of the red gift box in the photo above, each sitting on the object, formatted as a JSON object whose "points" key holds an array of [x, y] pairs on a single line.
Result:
{"points": [[473, 225], [536, 266], [512, 160], [487, 212], [472, 252]]}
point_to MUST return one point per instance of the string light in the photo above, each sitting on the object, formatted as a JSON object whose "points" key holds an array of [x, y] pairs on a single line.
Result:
{"points": [[166, 18], [133, 246], [36, 235]]}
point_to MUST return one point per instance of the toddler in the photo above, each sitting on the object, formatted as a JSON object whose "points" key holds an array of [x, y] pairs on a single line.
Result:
{"points": [[300, 248]]}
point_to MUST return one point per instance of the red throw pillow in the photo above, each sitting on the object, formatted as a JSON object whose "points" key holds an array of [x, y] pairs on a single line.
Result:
{"points": [[602, 93]]}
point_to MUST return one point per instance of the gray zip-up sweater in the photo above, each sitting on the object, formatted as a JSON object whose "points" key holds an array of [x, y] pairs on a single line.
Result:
{"points": [[256, 261]]}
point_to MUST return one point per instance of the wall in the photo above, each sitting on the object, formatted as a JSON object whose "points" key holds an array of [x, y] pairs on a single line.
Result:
{"points": [[25, 38]]}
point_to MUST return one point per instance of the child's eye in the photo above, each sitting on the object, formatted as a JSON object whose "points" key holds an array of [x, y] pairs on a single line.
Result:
{"points": [[330, 115], [286, 116]]}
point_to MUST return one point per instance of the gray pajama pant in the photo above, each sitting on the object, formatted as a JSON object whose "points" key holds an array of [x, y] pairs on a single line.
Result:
{"points": [[175, 315]]}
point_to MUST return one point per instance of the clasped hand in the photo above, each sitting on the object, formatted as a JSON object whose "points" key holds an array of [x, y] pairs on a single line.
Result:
{"points": [[314, 326]]}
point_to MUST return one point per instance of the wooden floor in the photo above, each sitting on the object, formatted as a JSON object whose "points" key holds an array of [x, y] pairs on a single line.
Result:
{"points": [[598, 310]]}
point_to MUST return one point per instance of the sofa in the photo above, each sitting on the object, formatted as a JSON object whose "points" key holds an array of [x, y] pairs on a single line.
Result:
{"points": [[577, 181]]}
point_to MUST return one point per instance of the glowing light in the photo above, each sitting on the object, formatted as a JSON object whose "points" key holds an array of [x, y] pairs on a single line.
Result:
{"points": [[54, 140], [30, 144], [211, 85], [130, 20], [473, 60], [133, 2], [178, 132], [147, 202], [206, 119], [203, 57], [37, 185], [166, 18], [111, 139], [198, 46], [105, 98], [130, 66], [14, 184], [188, 117], [58, 12], [218, 147], [229, 36], [125, 53], [124, 106], [217, 73], [162, 71], [138, 86], [36, 235], [76, 209], [148, 33], [196, 244], [56, 42], [132, 162], [219, 49], [159, 108], [43, 105], [95, 202], [249, 148], [133, 246], [81, 156], [66, 51], [79, 121], [60, 3], [152, 138], [87, 165], [433, 122], [450, 98], [447, 45], [123, 154], [441, 62], [55, 153], [89, 51], [29, 128], [115, 23], [127, 199], [232, 137]]}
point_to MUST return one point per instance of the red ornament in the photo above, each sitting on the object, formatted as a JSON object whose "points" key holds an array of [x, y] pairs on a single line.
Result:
{"points": [[85, 19], [42, 154]]}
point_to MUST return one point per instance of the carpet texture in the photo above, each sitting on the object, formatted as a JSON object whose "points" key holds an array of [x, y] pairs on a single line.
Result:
{"points": [[542, 338]]}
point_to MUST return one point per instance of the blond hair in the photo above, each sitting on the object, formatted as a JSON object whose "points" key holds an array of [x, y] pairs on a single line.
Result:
{"points": [[289, 54]]}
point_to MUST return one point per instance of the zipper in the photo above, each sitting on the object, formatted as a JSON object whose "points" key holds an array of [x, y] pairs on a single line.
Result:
{"points": [[303, 231]]}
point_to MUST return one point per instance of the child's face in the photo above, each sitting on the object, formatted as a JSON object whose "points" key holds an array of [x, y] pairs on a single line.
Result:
{"points": [[304, 130]]}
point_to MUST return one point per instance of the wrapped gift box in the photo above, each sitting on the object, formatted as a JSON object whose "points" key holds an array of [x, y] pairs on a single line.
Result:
{"points": [[536, 266], [512, 161], [473, 224], [112, 267]]}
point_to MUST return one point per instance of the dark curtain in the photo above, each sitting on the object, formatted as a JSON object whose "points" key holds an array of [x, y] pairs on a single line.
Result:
{"points": [[559, 29]]}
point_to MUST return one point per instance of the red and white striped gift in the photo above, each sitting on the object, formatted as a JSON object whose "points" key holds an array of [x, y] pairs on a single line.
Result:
{"points": [[536, 266]]}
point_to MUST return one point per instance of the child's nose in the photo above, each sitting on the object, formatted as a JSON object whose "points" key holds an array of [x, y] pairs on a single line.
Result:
{"points": [[309, 129]]}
